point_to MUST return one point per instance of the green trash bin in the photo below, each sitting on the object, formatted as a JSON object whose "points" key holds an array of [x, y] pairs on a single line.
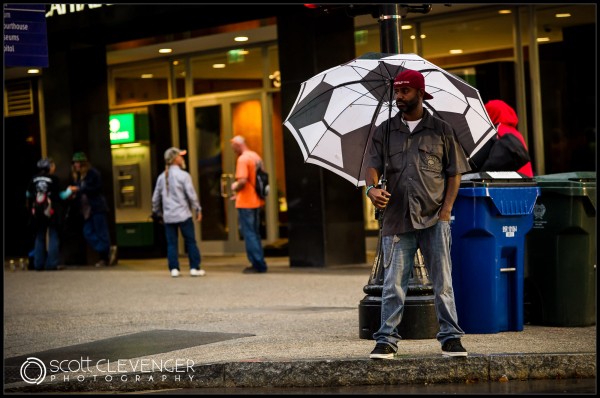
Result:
{"points": [[560, 252]]}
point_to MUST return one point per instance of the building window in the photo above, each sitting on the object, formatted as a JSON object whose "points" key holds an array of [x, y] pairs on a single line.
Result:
{"points": [[141, 83], [234, 69]]}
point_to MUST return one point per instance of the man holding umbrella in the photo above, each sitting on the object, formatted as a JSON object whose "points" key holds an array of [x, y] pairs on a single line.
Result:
{"points": [[415, 188]]}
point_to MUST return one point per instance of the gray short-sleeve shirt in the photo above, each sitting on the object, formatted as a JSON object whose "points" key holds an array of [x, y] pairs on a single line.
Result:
{"points": [[417, 168]]}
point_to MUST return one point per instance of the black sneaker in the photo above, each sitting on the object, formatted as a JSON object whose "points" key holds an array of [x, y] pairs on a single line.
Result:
{"points": [[252, 270], [382, 351], [453, 348]]}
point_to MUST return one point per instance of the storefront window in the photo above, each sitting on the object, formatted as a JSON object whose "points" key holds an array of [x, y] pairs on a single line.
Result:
{"points": [[226, 70], [468, 37], [367, 38], [178, 66], [140, 83]]}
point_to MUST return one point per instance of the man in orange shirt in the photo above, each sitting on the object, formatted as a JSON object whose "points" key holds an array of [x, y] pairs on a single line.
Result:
{"points": [[248, 203]]}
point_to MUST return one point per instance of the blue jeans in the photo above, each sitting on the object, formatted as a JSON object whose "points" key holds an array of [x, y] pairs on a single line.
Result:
{"points": [[398, 256], [189, 239], [40, 259], [95, 231], [249, 227]]}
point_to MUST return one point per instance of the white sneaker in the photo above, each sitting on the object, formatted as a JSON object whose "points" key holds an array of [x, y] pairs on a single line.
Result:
{"points": [[174, 272], [197, 272]]}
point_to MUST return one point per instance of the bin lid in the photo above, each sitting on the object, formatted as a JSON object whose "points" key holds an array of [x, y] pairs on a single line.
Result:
{"points": [[576, 176], [515, 200], [579, 183], [496, 179]]}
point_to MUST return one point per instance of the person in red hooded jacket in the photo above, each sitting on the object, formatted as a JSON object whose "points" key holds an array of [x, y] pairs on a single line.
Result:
{"points": [[509, 151]]}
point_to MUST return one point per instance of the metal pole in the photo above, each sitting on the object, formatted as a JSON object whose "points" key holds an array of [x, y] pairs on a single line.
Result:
{"points": [[419, 312], [536, 94], [520, 73], [391, 42], [390, 39], [391, 27], [418, 42]]}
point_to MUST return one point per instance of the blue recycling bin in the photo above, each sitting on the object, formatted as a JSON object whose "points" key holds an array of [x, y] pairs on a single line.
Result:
{"points": [[491, 217]]}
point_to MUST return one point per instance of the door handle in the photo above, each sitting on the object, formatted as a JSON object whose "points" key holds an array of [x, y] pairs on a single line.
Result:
{"points": [[226, 181]]}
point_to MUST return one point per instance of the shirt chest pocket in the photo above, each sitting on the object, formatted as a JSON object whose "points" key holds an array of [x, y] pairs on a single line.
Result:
{"points": [[396, 157], [430, 157]]}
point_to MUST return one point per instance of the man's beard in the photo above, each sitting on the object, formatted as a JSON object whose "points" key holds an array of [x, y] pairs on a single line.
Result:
{"points": [[407, 107]]}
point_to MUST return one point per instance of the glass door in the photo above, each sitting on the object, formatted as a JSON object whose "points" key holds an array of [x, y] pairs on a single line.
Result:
{"points": [[212, 121]]}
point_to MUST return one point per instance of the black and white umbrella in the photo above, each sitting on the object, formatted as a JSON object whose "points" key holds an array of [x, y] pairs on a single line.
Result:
{"points": [[337, 111]]}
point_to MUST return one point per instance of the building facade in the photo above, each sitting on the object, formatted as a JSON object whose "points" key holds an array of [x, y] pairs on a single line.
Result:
{"points": [[105, 68]]}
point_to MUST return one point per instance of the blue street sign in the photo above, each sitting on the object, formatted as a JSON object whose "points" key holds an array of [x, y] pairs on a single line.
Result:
{"points": [[25, 37]]}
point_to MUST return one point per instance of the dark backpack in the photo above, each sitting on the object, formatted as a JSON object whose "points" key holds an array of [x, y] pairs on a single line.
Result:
{"points": [[262, 182], [42, 204]]}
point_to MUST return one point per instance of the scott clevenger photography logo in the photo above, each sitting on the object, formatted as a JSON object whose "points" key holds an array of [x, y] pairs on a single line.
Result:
{"points": [[33, 371]]}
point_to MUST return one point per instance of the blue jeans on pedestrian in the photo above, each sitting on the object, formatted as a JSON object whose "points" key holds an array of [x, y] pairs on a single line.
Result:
{"points": [[95, 231], [42, 260], [189, 239], [399, 254], [249, 220]]}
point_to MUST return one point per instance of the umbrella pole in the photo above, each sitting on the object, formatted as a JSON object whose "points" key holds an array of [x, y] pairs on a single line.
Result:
{"points": [[375, 284], [369, 309]]}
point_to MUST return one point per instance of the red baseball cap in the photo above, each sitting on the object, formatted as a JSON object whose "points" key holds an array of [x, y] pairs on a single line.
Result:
{"points": [[411, 78]]}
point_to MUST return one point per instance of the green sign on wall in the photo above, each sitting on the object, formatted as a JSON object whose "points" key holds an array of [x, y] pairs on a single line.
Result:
{"points": [[122, 128]]}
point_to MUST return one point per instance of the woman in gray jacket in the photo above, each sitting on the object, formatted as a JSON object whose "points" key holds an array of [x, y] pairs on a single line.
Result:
{"points": [[174, 199]]}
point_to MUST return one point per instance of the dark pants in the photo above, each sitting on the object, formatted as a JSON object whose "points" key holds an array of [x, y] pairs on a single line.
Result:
{"points": [[249, 220], [189, 238], [95, 230]]}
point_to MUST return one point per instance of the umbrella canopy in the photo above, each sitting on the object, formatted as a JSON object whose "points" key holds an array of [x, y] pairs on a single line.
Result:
{"points": [[337, 111]]}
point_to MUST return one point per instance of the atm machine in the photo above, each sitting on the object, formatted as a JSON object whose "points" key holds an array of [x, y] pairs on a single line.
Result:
{"points": [[132, 179]]}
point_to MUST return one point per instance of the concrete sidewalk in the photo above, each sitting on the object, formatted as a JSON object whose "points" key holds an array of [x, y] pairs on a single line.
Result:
{"points": [[132, 327]]}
